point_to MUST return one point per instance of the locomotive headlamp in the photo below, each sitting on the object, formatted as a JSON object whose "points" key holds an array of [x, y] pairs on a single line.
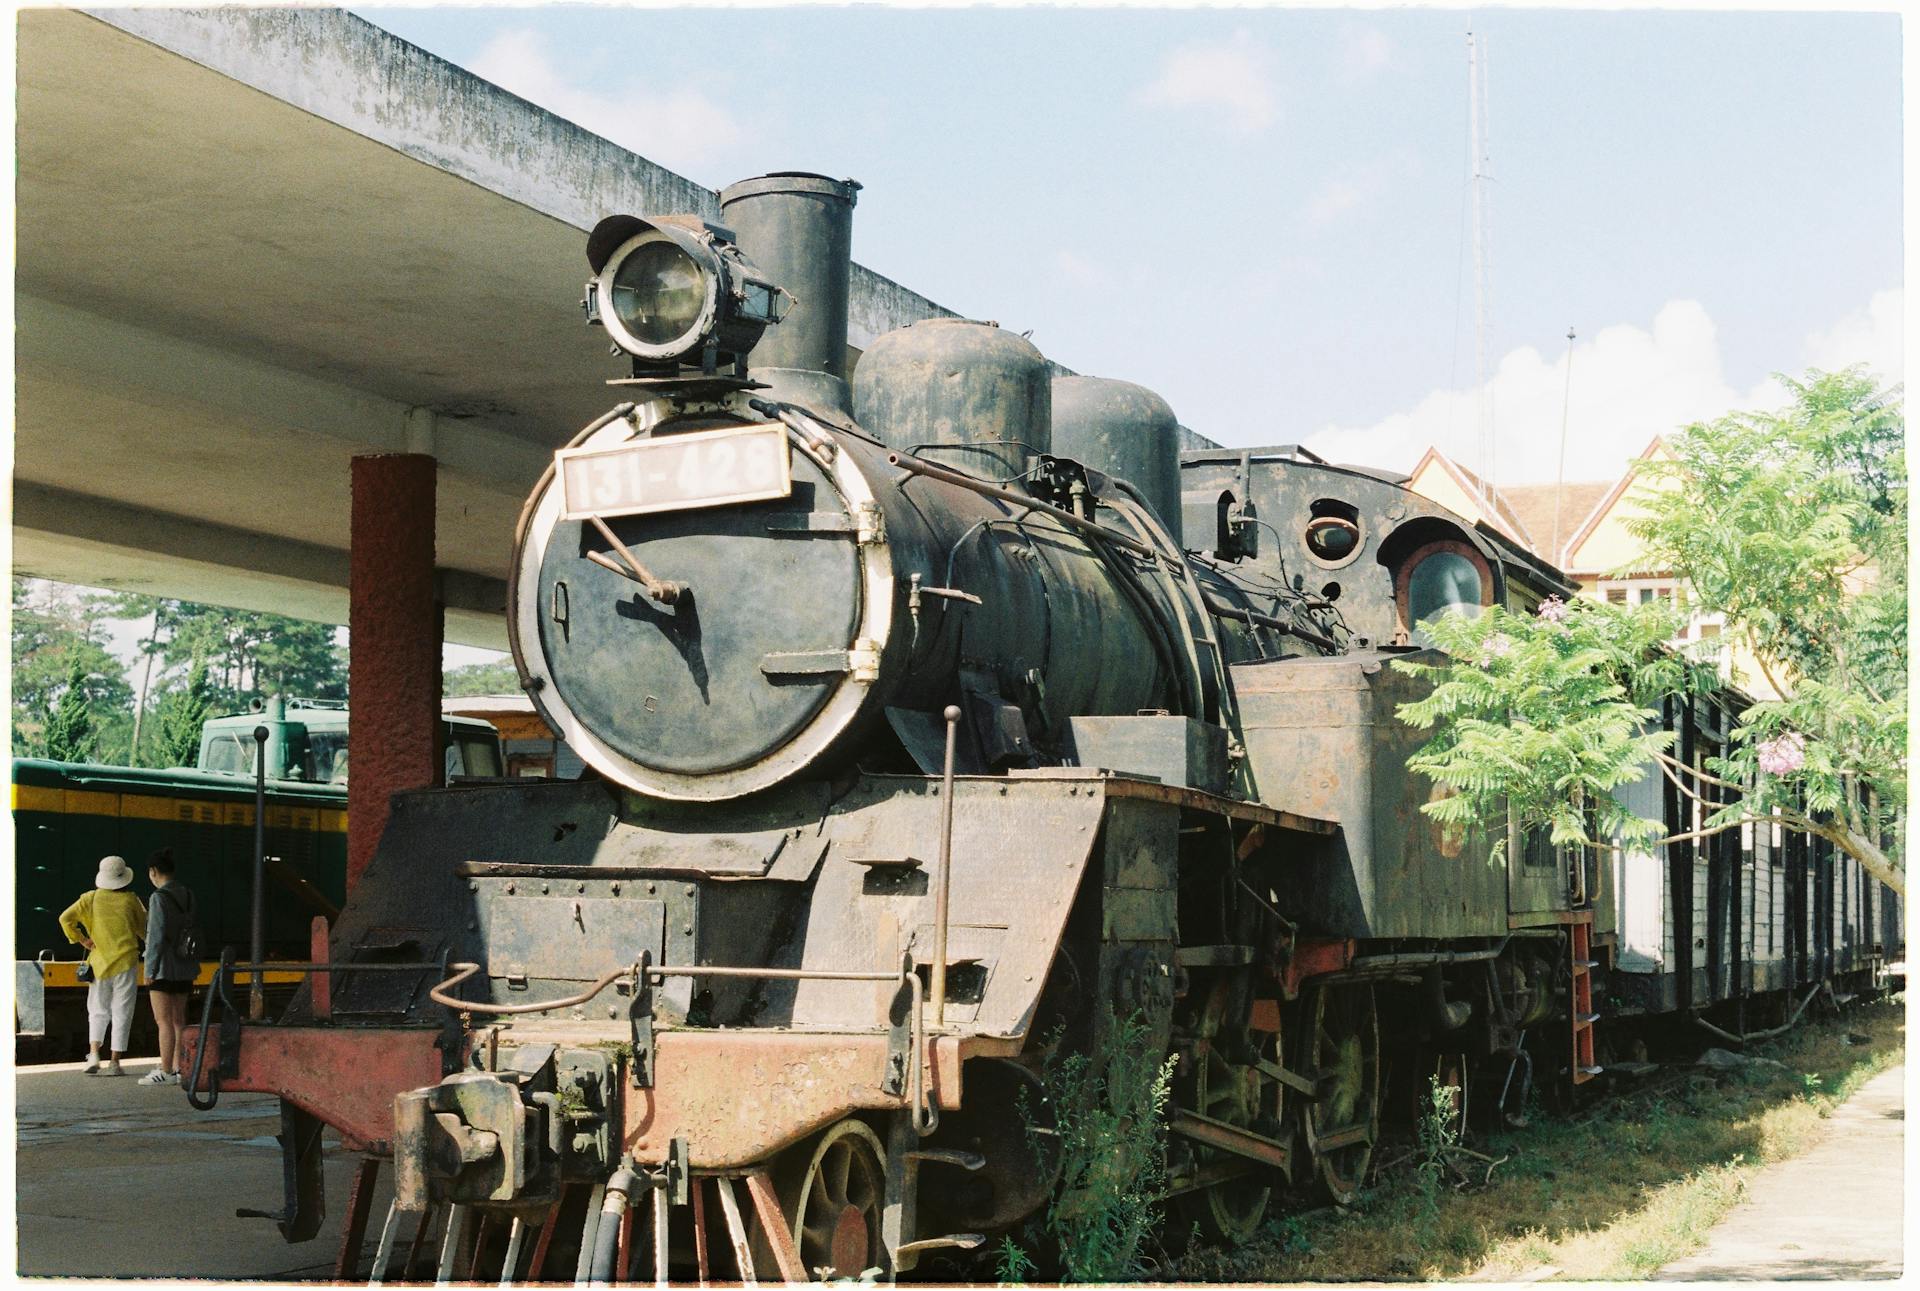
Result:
{"points": [[673, 292]]}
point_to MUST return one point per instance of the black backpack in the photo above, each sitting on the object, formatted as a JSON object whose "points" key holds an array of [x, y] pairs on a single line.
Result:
{"points": [[186, 943]]}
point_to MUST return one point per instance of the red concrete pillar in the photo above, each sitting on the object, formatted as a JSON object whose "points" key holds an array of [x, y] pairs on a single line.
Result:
{"points": [[394, 628]]}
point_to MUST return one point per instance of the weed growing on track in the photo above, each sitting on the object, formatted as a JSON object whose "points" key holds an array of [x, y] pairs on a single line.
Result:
{"points": [[1610, 1193], [1108, 1112]]}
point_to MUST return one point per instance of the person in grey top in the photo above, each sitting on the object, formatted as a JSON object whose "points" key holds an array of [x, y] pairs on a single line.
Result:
{"points": [[170, 973]]}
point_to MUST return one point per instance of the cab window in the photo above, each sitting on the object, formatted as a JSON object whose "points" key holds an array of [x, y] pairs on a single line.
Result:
{"points": [[1445, 577], [327, 757], [472, 755]]}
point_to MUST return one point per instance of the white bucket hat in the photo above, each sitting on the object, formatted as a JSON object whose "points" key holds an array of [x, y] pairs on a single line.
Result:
{"points": [[113, 873]]}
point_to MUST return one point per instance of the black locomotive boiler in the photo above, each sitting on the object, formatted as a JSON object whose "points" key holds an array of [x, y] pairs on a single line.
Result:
{"points": [[941, 718]]}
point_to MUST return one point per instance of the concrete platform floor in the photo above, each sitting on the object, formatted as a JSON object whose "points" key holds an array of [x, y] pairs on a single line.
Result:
{"points": [[117, 1179], [1833, 1213]]}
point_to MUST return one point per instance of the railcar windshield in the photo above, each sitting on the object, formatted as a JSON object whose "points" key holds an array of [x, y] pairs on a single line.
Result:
{"points": [[230, 752], [327, 757], [472, 755]]}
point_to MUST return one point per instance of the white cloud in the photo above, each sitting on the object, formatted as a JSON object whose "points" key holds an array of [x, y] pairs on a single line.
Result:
{"points": [[1234, 76], [1334, 199], [1365, 51], [1630, 383], [676, 127], [1875, 336]]}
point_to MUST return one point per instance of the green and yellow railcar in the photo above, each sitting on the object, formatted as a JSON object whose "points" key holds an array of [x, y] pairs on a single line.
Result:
{"points": [[68, 815]]}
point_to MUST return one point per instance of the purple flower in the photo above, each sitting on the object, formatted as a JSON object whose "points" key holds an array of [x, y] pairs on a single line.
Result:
{"points": [[1783, 754], [1497, 646], [1554, 610]]}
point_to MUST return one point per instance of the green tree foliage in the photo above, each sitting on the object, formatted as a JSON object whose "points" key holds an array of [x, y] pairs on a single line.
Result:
{"points": [[57, 637], [496, 678], [70, 727], [249, 654], [1792, 525], [1546, 714], [239, 654], [178, 718]]}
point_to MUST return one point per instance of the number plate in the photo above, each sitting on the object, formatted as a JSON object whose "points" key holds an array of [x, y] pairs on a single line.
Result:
{"points": [[675, 472]]}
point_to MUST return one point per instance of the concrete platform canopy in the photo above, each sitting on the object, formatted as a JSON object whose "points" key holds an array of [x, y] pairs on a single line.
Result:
{"points": [[254, 243]]}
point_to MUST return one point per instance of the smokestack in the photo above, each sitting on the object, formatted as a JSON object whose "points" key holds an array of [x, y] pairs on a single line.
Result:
{"points": [[797, 228]]}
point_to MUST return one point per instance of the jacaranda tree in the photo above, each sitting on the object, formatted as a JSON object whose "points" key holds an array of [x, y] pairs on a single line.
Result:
{"points": [[1792, 525]]}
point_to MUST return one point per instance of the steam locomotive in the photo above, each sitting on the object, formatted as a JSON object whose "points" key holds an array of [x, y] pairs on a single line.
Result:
{"points": [[943, 721]]}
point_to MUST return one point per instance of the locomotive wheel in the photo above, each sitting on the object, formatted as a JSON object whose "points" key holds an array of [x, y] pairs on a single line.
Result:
{"points": [[1236, 1093], [1343, 1049], [833, 1204]]}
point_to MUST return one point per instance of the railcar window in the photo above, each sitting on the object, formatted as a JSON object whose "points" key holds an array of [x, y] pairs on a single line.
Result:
{"points": [[226, 752], [472, 757], [327, 757]]}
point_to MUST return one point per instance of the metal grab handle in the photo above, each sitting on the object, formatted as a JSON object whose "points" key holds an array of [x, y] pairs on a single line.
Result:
{"points": [[653, 973], [200, 1049], [463, 971], [662, 590]]}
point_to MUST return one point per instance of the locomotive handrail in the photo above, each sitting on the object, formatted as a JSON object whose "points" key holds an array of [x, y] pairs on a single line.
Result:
{"points": [[914, 465], [1220, 611], [461, 972], [282, 966], [200, 1048], [926, 1116], [653, 972], [786, 974]]}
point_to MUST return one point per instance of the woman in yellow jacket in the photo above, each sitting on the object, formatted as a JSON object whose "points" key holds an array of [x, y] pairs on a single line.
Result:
{"points": [[110, 922]]}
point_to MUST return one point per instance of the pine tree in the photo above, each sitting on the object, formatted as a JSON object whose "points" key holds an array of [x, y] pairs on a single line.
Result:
{"points": [[70, 728], [179, 717]]}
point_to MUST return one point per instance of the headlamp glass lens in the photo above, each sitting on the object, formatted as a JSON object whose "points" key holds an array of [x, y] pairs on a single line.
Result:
{"points": [[657, 293]]}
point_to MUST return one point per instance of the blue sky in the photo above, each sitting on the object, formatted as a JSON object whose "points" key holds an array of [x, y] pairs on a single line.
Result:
{"points": [[1261, 213]]}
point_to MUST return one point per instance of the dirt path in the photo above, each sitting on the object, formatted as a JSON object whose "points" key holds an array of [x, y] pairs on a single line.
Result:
{"points": [[1832, 1213]]}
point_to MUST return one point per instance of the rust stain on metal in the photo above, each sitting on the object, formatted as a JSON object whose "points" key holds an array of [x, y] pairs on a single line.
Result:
{"points": [[738, 1097], [774, 1225], [1312, 957], [345, 1077]]}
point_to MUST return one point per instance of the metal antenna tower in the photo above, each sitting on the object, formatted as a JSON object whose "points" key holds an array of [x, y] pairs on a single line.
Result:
{"points": [[1560, 478], [1482, 170]]}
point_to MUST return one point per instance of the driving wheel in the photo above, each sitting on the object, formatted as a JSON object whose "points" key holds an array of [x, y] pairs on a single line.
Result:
{"points": [[833, 1204], [1343, 1050], [1226, 1087]]}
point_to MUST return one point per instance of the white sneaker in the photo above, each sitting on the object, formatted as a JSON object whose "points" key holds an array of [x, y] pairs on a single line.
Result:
{"points": [[92, 1068], [156, 1077]]}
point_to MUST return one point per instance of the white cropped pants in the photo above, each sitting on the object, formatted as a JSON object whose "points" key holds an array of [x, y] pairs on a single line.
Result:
{"points": [[110, 1001]]}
